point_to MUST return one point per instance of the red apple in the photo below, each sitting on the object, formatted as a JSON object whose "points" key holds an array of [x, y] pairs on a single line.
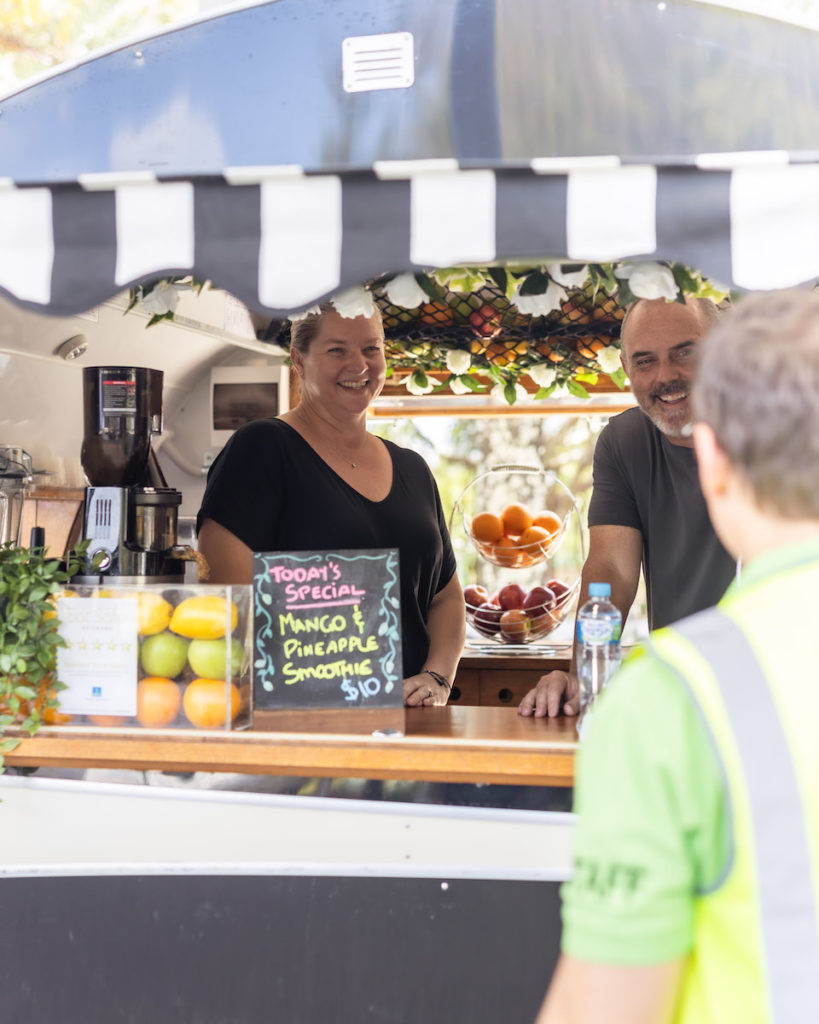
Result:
{"points": [[538, 600], [485, 322], [511, 596], [515, 624], [486, 619], [560, 590], [494, 599], [475, 595]]}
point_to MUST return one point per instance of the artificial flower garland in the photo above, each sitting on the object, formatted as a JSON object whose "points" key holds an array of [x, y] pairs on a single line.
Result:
{"points": [[479, 329]]}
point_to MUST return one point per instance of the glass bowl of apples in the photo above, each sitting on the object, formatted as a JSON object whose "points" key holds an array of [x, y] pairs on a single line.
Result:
{"points": [[516, 516], [515, 615]]}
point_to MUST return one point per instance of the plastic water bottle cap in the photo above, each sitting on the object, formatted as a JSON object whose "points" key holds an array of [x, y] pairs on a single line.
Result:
{"points": [[599, 590]]}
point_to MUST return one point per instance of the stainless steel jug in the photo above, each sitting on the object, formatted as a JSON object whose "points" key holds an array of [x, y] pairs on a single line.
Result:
{"points": [[15, 475]]}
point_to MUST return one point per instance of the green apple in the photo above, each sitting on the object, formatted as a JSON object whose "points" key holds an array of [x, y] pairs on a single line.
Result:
{"points": [[207, 657], [163, 654]]}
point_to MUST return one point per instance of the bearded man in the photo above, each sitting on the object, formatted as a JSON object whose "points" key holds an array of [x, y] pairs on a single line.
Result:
{"points": [[647, 509]]}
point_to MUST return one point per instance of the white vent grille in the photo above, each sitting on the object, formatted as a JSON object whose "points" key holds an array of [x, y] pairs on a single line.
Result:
{"points": [[378, 62]]}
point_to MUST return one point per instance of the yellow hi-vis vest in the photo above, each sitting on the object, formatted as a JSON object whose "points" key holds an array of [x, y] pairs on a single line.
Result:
{"points": [[752, 675]]}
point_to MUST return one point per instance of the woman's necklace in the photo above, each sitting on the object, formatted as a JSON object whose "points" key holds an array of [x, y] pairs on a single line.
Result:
{"points": [[338, 452]]}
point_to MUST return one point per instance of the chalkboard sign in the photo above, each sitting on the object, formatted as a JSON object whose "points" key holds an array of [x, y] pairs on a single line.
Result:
{"points": [[327, 629]]}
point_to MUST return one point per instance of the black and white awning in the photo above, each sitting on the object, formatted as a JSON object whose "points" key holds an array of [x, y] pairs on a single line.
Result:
{"points": [[242, 149], [281, 241]]}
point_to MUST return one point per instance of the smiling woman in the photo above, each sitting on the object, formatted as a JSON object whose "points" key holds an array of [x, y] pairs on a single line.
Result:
{"points": [[316, 479]]}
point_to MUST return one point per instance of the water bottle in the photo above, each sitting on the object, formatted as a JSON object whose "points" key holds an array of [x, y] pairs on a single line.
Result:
{"points": [[599, 625]]}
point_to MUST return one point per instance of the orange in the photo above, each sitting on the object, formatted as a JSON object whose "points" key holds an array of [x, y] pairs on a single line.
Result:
{"points": [[487, 527], [516, 518], [158, 701], [549, 521], [506, 552], [535, 540], [107, 720], [205, 703], [50, 714]]}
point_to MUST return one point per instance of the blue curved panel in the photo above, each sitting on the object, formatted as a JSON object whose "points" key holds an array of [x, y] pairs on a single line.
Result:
{"points": [[497, 82]]}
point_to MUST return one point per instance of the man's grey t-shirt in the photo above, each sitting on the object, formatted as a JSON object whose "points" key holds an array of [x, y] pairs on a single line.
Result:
{"points": [[643, 481]]}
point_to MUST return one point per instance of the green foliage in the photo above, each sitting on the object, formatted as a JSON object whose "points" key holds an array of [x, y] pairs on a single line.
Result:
{"points": [[29, 637], [38, 35]]}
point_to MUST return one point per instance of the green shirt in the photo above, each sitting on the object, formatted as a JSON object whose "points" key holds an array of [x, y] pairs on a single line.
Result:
{"points": [[652, 830]]}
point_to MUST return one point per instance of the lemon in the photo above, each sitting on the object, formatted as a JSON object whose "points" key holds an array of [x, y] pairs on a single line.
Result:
{"points": [[203, 618], [153, 613]]}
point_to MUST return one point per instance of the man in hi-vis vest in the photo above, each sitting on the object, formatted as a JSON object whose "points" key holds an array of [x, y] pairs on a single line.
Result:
{"points": [[694, 897]]}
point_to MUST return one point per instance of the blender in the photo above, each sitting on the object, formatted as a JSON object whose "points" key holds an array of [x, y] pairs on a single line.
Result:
{"points": [[130, 513]]}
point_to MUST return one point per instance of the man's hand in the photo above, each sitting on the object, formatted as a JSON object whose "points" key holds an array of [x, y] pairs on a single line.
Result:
{"points": [[545, 699]]}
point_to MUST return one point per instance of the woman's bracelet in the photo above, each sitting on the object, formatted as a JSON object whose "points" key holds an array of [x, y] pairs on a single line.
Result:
{"points": [[439, 679]]}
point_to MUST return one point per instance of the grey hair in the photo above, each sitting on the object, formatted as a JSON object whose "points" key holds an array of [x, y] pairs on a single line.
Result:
{"points": [[757, 387]]}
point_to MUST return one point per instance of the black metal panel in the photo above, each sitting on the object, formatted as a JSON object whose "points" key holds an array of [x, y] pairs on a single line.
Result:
{"points": [[240, 950]]}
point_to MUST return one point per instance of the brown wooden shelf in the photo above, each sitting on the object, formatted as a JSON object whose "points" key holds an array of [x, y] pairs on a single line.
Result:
{"points": [[449, 744]]}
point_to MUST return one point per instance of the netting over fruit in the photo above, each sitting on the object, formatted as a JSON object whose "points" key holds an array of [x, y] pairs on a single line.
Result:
{"points": [[488, 326]]}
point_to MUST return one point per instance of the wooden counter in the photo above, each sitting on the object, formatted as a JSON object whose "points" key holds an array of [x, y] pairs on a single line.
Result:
{"points": [[495, 676], [450, 744]]}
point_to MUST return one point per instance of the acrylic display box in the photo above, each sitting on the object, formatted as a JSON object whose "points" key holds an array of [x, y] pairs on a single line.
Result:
{"points": [[156, 656]]}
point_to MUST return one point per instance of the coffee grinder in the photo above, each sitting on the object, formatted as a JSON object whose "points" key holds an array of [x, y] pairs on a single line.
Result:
{"points": [[130, 513]]}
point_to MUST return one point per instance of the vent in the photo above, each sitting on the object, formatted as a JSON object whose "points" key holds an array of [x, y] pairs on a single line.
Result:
{"points": [[378, 62]]}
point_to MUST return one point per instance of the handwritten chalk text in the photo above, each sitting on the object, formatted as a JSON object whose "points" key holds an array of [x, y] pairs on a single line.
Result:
{"points": [[327, 670], [325, 648]]}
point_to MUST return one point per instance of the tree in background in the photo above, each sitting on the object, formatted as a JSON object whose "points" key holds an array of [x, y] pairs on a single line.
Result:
{"points": [[38, 35]]}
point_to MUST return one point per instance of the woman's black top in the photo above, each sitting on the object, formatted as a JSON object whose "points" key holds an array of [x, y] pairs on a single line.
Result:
{"points": [[273, 492]]}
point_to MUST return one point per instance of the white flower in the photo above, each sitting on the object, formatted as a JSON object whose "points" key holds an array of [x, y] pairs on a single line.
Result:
{"points": [[499, 392], [458, 361], [418, 383], [649, 280], [608, 359], [164, 298], [405, 291], [540, 305], [542, 374], [354, 302], [457, 386], [575, 279], [310, 311]]}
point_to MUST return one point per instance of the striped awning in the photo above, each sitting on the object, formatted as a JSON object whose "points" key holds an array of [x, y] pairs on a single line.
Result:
{"points": [[281, 182]]}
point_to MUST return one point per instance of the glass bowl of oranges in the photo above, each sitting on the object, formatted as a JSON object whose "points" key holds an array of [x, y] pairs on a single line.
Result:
{"points": [[516, 516]]}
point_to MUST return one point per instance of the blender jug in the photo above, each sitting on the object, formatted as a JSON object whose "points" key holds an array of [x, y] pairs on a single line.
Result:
{"points": [[15, 474]]}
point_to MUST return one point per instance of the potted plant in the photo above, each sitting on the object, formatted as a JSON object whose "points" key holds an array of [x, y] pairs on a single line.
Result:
{"points": [[29, 638]]}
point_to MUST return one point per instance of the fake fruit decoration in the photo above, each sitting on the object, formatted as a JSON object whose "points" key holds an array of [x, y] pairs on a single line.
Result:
{"points": [[206, 703], [164, 654], [485, 321], [517, 616], [203, 618], [209, 657], [153, 614], [516, 536], [158, 701], [191, 659]]}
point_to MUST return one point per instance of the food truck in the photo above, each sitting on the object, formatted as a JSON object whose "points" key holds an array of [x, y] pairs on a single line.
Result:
{"points": [[288, 151]]}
